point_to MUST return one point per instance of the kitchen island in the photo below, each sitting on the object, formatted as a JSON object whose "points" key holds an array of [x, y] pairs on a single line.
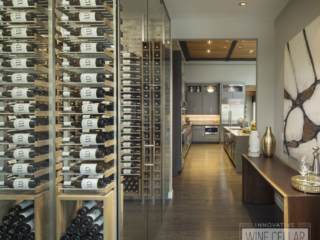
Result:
{"points": [[235, 144]]}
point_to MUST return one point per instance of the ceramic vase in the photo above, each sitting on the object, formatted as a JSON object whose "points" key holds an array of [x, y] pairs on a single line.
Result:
{"points": [[254, 144], [268, 143]]}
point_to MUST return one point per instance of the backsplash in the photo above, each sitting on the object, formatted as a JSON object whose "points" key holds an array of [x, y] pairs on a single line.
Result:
{"points": [[204, 119]]}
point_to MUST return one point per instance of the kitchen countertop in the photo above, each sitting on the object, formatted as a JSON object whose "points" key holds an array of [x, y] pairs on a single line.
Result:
{"points": [[237, 133], [206, 123]]}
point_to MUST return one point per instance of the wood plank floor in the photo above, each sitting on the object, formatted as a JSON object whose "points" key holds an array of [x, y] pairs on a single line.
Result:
{"points": [[207, 200]]}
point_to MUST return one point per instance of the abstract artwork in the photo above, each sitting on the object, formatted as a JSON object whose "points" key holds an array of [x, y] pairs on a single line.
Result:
{"points": [[302, 92]]}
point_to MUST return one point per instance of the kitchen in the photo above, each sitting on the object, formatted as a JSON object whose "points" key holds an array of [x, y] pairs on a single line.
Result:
{"points": [[214, 85]]}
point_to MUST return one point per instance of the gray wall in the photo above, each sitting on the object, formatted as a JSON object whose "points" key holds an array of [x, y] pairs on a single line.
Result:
{"points": [[249, 108], [295, 17]]}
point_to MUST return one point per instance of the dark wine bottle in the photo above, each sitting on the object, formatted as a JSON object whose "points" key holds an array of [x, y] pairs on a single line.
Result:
{"points": [[19, 78], [86, 17], [24, 138], [25, 123], [130, 171], [87, 183], [14, 211], [12, 230], [19, 32], [86, 93], [90, 123], [65, 236], [76, 222], [24, 108], [30, 236], [21, 183], [85, 32], [92, 216], [86, 138], [99, 236], [85, 63], [71, 230], [19, 17], [96, 227], [20, 93], [82, 231], [22, 153], [19, 3], [8, 237], [88, 108], [7, 220], [27, 228], [86, 78], [19, 63], [86, 168], [3, 229], [85, 209], [23, 217], [85, 153]]}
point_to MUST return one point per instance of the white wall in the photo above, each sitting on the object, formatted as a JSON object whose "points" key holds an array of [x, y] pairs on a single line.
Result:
{"points": [[263, 31], [221, 73], [295, 17]]}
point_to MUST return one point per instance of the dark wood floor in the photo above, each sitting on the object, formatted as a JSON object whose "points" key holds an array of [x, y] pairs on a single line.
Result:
{"points": [[207, 200]]}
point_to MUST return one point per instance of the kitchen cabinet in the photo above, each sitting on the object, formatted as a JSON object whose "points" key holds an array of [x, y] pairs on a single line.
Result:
{"points": [[197, 133], [232, 90], [195, 102], [210, 103]]}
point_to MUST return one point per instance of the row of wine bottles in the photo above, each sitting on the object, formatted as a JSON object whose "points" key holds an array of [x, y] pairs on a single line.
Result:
{"points": [[19, 223], [90, 138], [23, 167], [87, 224], [90, 108], [24, 153], [24, 138], [22, 93], [89, 168], [89, 182]]}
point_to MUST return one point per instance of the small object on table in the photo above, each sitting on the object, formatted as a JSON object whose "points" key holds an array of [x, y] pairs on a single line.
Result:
{"points": [[268, 143], [309, 184], [254, 144]]}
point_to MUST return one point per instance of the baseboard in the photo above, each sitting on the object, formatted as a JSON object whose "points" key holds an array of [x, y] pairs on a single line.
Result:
{"points": [[279, 201], [170, 194]]}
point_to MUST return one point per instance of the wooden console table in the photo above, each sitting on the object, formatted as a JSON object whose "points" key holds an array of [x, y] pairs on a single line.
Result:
{"points": [[262, 176]]}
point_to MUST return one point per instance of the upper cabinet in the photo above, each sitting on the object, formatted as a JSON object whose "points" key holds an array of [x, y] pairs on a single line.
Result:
{"points": [[232, 90]]}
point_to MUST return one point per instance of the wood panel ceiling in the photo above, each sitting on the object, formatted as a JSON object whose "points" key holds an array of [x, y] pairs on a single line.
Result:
{"points": [[223, 50]]}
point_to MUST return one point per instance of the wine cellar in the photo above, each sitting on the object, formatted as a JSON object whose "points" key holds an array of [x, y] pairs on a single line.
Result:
{"points": [[66, 72]]}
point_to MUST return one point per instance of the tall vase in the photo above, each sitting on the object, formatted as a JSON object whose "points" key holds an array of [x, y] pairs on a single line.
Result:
{"points": [[268, 143]]}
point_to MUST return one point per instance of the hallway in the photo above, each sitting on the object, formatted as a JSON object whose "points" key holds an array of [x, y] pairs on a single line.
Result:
{"points": [[207, 200]]}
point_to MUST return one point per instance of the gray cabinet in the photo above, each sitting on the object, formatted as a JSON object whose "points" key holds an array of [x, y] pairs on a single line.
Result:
{"points": [[198, 133], [194, 101], [210, 103]]}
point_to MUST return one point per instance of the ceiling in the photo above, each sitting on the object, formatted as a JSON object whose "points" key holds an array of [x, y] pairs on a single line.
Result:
{"points": [[223, 50], [225, 9], [134, 9]]}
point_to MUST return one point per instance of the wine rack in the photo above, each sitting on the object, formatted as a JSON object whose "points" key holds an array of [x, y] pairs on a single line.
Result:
{"points": [[131, 133]]}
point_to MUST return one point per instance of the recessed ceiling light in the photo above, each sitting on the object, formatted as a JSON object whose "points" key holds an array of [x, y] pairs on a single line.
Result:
{"points": [[209, 42], [208, 51], [251, 51], [242, 3], [240, 46]]}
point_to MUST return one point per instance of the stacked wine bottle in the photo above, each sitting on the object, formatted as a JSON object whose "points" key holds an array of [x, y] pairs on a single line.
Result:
{"points": [[88, 93], [131, 120], [19, 223], [87, 224], [23, 93]]}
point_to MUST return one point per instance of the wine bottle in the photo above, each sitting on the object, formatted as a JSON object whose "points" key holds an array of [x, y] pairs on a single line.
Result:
{"points": [[126, 54], [129, 96], [99, 236], [22, 153], [21, 183], [130, 171], [85, 153], [130, 144], [24, 138], [131, 123], [25, 123], [85, 32], [9, 237], [19, 3], [14, 211], [75, 237], [86, 78], [90, 123], [86, 17], [7, 220], [87, 183], [30, 236], [128, 103], [3, 229], [91, 216], [131, 116], [12, 230], [86, 93], [85, 47], [129, 75], [27, 227], [71, 229], [131, 89], [85, 63], [85, 209], [88, 108], [24, 108], [129, 110], [19, 93], [130, 158], [130, 165], [87, 238], [19, 77], [65, 236], [82, 231], [23, 217], [86, 138], [86, 169], [20, 168], [18, 48], [19, 17], [130, 137], [18, 32], [87, 2], [129, 69], [96, 226], [19, 63], [76, 222]]}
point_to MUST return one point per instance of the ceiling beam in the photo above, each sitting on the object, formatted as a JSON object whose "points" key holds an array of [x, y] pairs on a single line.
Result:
{"points": [[233, 45], [184, 49]]}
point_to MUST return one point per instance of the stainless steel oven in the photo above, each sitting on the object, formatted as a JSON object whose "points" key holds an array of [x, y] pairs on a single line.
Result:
{"points": [[211, 130]]}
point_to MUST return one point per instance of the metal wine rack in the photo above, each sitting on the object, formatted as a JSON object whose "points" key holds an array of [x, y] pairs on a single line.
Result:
{"points": [[131, 133]]}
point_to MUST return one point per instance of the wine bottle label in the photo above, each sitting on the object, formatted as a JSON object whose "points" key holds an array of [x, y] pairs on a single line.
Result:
{"points": [[18, 17], [20, 3], [126, 95], [20, 168], [27, 213], [21, 138], [89, 32], [127, 137], [21, 108], [127, 109], [89, 183], [90, 204], [126, 89], [88, 47], [127, 171], [127, 116], [22, 153], [90, 123], [90, 108], [19, 32], [126, 61], [31, 224], [21, 123], [99, 221], [18, 63], [127, 144], [127, 164], [126, 123], [25, 203], [19, 77], [127, 130], [21, 183], [88, 139], [88, 92], [88, 77], [88, 3], [126, 69], [127, 158], [65, 3], [19, 93], [88, 169], [67, 49], [127, 102], [126, 75], [126, 54], [95, 213], [87, 16], [127, 151], [19, 47], [88, 153], [88, 62]]}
